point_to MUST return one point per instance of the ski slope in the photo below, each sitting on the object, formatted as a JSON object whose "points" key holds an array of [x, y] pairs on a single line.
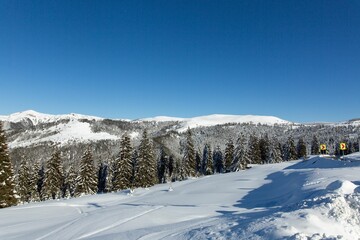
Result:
{"points": [[314, 199]]}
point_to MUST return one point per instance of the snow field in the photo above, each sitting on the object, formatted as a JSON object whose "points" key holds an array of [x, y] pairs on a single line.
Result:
{"points": [[314, 199]]}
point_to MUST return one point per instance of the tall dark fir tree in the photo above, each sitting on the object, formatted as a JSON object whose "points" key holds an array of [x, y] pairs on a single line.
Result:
{"points": [[189, 160], [122, 177], [7, 190], [86, 182], [24, 182], [315, 146], [301, 149], [146, 164], [54, 179], [229, 155]]}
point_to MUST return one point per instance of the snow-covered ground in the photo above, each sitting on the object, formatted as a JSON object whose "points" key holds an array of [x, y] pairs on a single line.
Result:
{"points": [[314, 199]]}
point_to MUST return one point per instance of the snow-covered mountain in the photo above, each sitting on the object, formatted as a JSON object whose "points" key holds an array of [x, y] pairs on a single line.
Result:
{"points": [[35, 135], [62, 129], [314, 199], [219, 119]]}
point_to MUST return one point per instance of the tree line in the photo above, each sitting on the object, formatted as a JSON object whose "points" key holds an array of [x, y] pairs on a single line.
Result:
{"points": [[138, 167]]}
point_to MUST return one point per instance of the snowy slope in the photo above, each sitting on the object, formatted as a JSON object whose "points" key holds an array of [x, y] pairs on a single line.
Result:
{"points": [[218, 119], [67, 128], [315, 199], [36, 117]]}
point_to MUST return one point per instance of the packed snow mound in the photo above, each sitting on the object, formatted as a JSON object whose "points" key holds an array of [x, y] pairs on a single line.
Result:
{"points": [[341, 187], [36, 117], [219, 119]]}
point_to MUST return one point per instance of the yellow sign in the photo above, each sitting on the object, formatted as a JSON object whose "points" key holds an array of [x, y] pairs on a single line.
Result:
{"points": [[322, 147], [342, 146]]}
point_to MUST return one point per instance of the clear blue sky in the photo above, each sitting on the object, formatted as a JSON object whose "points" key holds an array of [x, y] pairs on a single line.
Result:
{"points": [[298, 60]]}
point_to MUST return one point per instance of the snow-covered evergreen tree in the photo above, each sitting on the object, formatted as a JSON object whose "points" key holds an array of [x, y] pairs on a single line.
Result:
{"points": [[34, 179], [71, 181], [218, 160], [301, 149], [229, 155], [290, 150], [54, 179], [209, 161], [7, 189], [189, 155], [24, 182], [162, 166], [254, 150], [123, 165], [241, 154], [86, 181], [264, 145], [315, 146], [276, 151], [146, 163]]}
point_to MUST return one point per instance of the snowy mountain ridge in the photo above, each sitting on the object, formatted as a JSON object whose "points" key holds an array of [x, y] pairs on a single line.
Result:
{"points": [[208, 120]]}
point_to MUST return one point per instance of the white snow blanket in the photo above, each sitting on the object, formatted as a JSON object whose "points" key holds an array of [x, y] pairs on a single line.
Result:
{"points": [[314, 199]]}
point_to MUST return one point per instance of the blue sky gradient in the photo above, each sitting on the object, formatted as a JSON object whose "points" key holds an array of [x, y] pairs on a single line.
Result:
{"points": [[298, 60]]}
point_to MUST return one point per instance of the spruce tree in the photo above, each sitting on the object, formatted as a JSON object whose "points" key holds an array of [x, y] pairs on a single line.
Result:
{"points": [[254, 150], [209, 161], [276, 151], [161, 166], [54, 179], [34, 178], [241, 155], [264, 145], [290, 149], [189, 155], [123, 165], [218, 160], [229, 155], [146, 163], [86, 182], [301, 148], [7, 190], [71, 181], [24, 182], [198, 163], [315, 146]]}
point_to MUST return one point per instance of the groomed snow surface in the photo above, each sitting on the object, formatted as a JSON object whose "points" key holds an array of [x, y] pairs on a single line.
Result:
{"points": [[314, 199]]}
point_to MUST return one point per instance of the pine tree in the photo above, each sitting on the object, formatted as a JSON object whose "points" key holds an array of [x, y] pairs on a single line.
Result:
{"points": [[38, 178], [146, 163], [198, 163], [254, 150], [34, 179], [86, 181], [290, 150], [24, 182], [123, 165], [54, 179], [102, 174], [301, 148], [241, 155], [276, 151], [71, 181], [7, 190], [264, 145], [189, 155], [229, 155], [209, 161], [218, 160], [315, 146], [161, 166]]}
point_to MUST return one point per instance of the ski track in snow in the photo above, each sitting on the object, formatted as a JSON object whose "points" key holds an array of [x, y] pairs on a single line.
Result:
{"points": [[118, 223]]}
